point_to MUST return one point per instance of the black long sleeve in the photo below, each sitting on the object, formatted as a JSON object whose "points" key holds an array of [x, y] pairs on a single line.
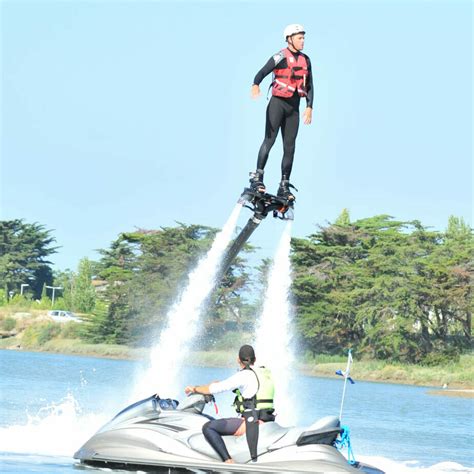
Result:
{"points": [[309, 85], [265, 71]]}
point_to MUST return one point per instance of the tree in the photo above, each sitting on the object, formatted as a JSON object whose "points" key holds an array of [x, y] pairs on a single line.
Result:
{"points": [[227, 308], [145, 271], [390, 289], [83, 294], [66, 280], [344, 219], [451, 268], [119, 262], [23, 251]]}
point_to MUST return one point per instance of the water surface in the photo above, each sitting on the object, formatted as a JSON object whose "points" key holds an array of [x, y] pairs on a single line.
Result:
{"points": [[51, 404]]}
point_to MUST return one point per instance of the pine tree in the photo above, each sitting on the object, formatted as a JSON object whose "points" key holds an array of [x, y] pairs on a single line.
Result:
{"points": [[24, 249]]}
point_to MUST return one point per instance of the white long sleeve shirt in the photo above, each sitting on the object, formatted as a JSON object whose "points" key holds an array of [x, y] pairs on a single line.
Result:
{"points": [[245, 380]]}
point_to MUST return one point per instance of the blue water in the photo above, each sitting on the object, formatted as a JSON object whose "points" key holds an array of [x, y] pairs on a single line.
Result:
{"points": [[51, 404]]}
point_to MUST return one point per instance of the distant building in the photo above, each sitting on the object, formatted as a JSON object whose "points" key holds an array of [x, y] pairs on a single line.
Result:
{"points": [[100, 285]]}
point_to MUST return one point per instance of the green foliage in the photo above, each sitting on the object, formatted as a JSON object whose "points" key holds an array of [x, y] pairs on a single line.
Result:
{"points": [[83, 293], [456, 373], [313, 359], [44, 302], [144, 272], [59, 303], [23, 251], [7, 323], [101, 326], [119, 262], [392, 290], [458, 230], [445, 356], [38, 334], [66, 280], [343, 219], [19, 303], [71, 330]]}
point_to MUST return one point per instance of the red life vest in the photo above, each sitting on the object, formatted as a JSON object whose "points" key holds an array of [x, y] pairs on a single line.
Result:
{"points": [[293, 77]]}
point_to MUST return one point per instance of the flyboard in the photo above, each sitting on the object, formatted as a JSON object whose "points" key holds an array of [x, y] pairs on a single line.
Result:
{"points": [[261, 204]]}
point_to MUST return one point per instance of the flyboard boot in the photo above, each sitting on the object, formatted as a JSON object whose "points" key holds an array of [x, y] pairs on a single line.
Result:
{"points": [[284, 189], [256, 182]]}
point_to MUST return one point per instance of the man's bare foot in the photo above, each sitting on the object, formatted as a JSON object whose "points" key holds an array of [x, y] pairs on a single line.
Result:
{"points": [[230, 461]]}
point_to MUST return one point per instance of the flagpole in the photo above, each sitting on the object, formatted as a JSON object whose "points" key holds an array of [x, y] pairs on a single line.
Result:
{"points": [[346, 375]]}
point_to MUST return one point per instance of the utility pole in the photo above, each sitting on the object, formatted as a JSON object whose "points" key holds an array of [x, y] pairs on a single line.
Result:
{"points": [[54, 288]]}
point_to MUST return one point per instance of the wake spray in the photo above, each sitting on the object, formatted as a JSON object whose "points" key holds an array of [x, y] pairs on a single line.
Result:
{"points": [[167, 356], [273, 333]]}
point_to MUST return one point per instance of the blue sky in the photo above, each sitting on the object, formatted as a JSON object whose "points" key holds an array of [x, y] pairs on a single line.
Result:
{"points": [[117, 115]]}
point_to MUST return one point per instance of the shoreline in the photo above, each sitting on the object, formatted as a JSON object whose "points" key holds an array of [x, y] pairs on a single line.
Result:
{"points": [[367, 371], [462, 393]]}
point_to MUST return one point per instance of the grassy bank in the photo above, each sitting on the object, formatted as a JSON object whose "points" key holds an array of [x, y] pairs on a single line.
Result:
{"points": [[38, 333], [455, 375]]}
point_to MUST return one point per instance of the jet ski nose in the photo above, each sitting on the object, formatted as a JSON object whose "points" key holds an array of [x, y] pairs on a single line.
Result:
{"points": [[84, 453]]}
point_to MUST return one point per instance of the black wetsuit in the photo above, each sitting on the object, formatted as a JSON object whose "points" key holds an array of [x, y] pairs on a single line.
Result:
{"points": [[215, 429], [282, 113]]}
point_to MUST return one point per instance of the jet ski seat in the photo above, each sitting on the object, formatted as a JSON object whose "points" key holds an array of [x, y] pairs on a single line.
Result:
{"points": [[269, 433], [323, 431]]}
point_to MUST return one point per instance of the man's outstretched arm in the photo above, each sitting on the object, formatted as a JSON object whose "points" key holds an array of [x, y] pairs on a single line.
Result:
{"points": [[263, 73], [203, 389]]}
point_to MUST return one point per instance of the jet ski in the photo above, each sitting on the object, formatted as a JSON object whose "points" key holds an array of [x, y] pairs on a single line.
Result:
{"points": [[154, 434]]}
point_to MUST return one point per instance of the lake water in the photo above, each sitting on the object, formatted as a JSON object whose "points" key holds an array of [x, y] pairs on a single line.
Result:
{"points": [[51, 404]]}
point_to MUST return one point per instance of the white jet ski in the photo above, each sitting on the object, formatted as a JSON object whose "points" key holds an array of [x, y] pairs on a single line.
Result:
{"points": [[164, 436]]}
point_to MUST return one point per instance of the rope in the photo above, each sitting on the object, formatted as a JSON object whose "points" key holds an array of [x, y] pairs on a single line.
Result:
{"points": [[344, 440]]}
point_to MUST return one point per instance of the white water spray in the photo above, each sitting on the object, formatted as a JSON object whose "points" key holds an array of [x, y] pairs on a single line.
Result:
{"points": [[58, 429], [272, 346], [168, 354], [389, 466]]}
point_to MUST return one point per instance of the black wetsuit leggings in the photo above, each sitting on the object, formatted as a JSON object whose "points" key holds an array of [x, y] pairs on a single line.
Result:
{"points": [[284, 114], [215, 429]]}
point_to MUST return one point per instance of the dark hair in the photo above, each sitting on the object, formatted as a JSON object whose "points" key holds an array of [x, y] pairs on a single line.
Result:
{"points": [[247, 354]]}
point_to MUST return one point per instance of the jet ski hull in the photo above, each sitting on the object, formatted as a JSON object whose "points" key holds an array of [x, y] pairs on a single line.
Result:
{"points": [[327, 462], [146, 437]]}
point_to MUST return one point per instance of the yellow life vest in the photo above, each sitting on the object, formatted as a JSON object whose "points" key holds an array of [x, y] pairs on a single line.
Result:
{"points": [[263, 399]]}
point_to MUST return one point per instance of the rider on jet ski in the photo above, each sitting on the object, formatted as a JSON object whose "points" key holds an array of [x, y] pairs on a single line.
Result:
{"points": [[254, 391]]}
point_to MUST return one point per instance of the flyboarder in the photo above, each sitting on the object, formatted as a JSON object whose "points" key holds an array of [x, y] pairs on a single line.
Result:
{"points": [[253, 403], [292, 79]]}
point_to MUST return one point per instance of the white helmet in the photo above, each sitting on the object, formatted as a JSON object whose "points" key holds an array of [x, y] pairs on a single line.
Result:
{"points": [[291, 30]]}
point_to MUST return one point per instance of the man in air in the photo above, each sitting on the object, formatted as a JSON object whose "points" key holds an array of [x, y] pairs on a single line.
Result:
{"points": [[292, 79]]}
